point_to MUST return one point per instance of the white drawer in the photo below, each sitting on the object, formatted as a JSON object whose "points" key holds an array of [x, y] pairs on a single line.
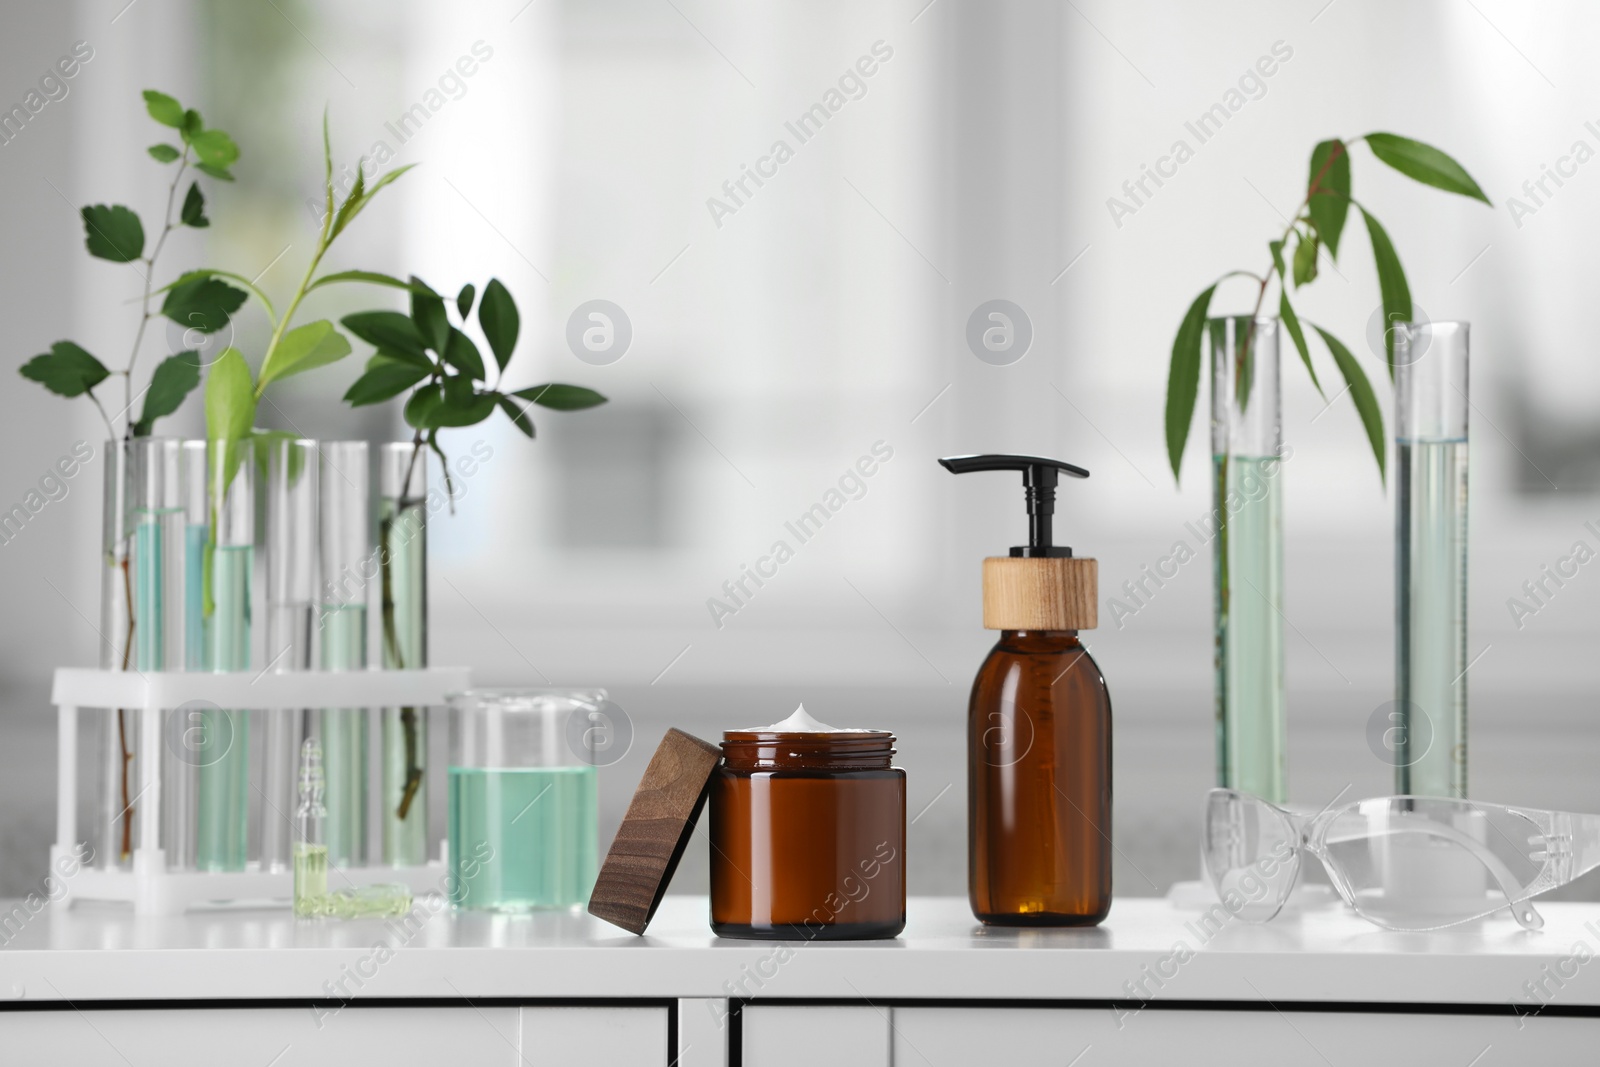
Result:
{"points": [[1059, 1037], [283, 1037], [326, 1037], [806, 1036], [594, 1037]]}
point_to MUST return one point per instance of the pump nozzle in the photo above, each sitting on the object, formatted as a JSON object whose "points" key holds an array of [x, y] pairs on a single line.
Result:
{"points": [[1039, 476]]}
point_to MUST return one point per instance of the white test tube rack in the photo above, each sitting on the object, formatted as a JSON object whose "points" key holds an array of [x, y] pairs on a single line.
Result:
{"points": [[148, 883]]}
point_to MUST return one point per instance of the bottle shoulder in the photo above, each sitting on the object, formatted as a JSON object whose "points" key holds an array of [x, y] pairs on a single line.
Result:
{"points": [[1058, 643], [1040, 657]]}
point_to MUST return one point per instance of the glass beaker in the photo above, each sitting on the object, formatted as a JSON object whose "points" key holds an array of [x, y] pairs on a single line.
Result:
{"points": [[523, 799]]}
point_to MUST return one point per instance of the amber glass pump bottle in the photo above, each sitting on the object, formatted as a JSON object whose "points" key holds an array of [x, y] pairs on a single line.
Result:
{"points": [[1038, 728]]}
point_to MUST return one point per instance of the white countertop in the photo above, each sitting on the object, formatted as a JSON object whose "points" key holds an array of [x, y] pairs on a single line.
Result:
{"points": [[103, 952]]}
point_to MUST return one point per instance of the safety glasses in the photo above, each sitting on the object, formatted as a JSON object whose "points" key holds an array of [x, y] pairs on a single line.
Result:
{"points": [[1404, 863]]}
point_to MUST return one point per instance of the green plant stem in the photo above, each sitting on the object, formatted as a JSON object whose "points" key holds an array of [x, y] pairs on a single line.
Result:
{"points": [[111, 431], [299, 294], [1261, 294], [411, 467], [149, 277], [391, 637]]}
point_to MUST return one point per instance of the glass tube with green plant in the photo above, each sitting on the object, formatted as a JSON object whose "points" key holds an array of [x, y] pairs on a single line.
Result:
{"points": [[450, 387], [1256, 762], [115, 233]]}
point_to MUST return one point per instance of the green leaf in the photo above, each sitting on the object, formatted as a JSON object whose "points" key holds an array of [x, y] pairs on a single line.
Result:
{"points": [[1183, 378], [458, 390], [352, 202], [316, 344], [66, 370], [371, 276], [497, 314], [230, 398], [518, 413], [392, 176], [390, 331], [1425, 164], [1328, 188], [219, 173], [113, 233], [383, 379], [423, 403], [163, 153], [164, 109], [214, 148], [230, 408], [1291, 322], [1361, 392], [1277, 259], [175, 378], [464, 408], [427, 311], [463, 355], [1391, 283], [360, 196], [194, 208], [192, 124], [202, 303], [211, 272], [327, 168], [560, 397], [464, 301], [1305, 260]]}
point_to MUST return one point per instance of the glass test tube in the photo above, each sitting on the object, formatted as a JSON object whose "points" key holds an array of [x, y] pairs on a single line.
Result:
{"points": [[1431, 558], [345, 546], [224, 745], [1247, 502], [403, 637], [293, 474], [156, 566], [115, 729], [183, 747]]}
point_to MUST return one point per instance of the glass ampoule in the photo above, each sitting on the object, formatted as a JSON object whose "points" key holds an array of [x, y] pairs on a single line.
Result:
{"points": [[310, 845]]}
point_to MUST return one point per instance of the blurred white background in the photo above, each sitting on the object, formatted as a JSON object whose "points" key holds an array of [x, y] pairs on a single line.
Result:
{"points": [[774, 345]]}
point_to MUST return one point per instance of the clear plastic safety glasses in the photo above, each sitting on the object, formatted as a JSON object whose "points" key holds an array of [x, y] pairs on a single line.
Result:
{"points": [[1404, 863]]}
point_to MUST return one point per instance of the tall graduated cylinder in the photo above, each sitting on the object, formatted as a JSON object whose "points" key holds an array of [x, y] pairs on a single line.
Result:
{"points": [[1247, 526], [1430, 378]]}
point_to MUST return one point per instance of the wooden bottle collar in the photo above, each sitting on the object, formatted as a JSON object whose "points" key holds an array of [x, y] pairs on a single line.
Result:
{"points": [[1040, 593]]}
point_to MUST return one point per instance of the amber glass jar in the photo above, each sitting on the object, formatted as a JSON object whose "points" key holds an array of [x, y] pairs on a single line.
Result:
{"points": [[808, 836], [1039, 783]]}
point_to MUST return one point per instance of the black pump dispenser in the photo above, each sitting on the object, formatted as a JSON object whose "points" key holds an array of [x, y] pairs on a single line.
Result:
{"points": [[1038, 726], [1039, 477]]}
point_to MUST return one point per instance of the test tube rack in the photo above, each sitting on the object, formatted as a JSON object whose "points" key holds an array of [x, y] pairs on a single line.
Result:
{"points": [[155, 696]]}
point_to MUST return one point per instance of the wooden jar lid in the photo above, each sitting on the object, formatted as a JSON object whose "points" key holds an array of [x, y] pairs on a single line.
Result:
{"points": [[653, 834], [1043, 593]]}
